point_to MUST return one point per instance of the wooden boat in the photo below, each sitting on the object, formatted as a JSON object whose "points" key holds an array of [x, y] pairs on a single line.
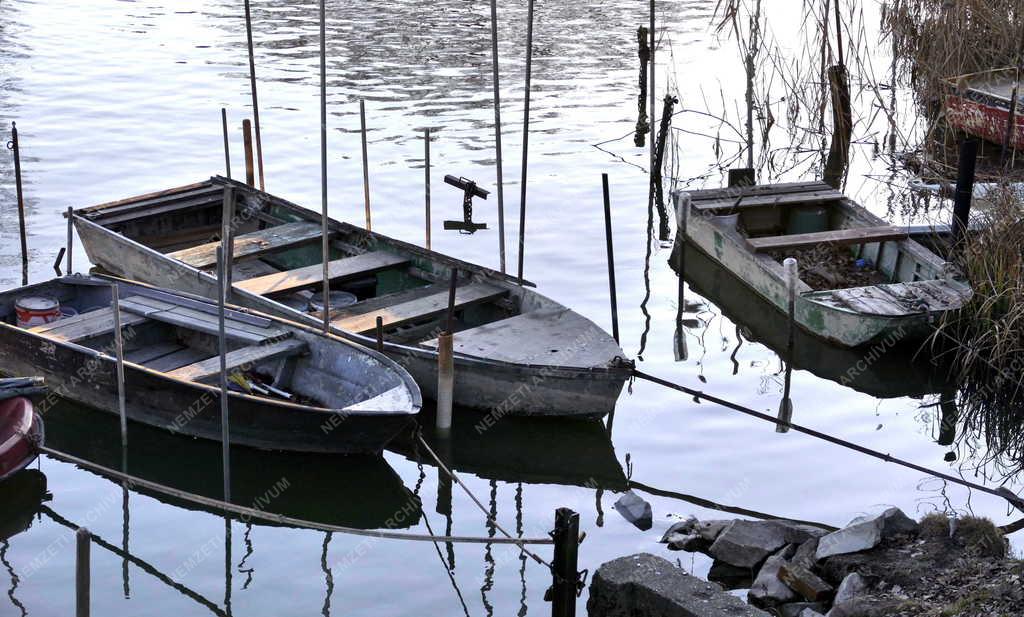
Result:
{"points": [[21, 386], [750, 230], [517, 352], [21, 434], [979, 104], [302, 390]]}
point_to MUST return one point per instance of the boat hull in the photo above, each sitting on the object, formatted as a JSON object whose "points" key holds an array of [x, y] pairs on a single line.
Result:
{"points": [[18, 446], [985, 117]]}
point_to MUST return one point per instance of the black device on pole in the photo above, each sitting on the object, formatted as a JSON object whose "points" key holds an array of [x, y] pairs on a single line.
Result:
{"points": [[469, 191]]}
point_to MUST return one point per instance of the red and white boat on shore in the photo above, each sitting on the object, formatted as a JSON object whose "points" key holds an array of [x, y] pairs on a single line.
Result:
{"points": [[21, 434], [979, 104]]}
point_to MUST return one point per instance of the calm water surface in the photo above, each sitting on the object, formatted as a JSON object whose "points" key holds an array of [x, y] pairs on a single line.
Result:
{"points": [[116, 98]]}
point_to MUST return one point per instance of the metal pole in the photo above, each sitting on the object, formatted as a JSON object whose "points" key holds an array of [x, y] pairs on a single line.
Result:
{"points": [[566, 555], [227, 238], [426, 179], [652, 101], [446, 363], [119, 351], [71, 229], [325, 246], [252, 87], [227, 147], [83, 542], [611, 256], [21, 203], [526, 137], [366, 167], [225, 432], [497, 134], [380, 334], [789, 265], [250, 178], [964, 189]]}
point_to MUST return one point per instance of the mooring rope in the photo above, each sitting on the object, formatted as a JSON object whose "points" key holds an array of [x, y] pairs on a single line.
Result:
{"points": [[280, 518], [1015, 500]]}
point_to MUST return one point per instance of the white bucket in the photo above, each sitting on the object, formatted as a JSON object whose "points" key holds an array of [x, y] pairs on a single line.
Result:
{"points": [[34, 311]]}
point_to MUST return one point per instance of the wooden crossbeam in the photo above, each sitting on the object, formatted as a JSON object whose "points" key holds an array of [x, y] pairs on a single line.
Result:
{"points": [[859, 235], [419, 309], [253, 354], [253, 244], [760, 201], [86, 325], [311, 276]]}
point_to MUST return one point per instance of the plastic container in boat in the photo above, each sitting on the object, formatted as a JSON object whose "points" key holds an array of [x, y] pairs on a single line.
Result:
{"points": [[807, 219], [32, 311], [339, 299]]}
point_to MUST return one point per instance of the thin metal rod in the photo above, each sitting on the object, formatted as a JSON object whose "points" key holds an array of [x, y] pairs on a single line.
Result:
{"points": [[325, 245], [222, 348], [119, 351], [227, 147], [426, 179], [21, 204], [252, 88], [71, 229], [611, 256], [526, 137], [366, 166], [497, 134]]}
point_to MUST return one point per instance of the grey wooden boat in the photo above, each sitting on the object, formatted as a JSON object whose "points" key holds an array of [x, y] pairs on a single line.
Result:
{"points": [[297, 388], [516, 351], [750, 230]]}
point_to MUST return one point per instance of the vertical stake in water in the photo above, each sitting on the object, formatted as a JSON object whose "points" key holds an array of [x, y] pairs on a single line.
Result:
{"points": [[526, 137], [446, 363], [497, 134], [250, 173], [71, 230], [227, 224], [682, 202], [789, 265], [651, 98], [115, 301], [611, 256], [227, 147], [83, 542], [564, 571], [222, 348], [21, 204], [252, 88], [426, 180], [325, 245], [964, 189], [366, 167]]}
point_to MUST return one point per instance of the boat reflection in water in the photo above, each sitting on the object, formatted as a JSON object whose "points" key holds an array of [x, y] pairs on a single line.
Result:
{"points": [[21, 496], [887, 369], [365, 492]]}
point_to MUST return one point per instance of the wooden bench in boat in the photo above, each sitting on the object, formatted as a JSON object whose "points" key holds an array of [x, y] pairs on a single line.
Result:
{"points": [[311, 276], [759, 201], [419, 309], [857, 235], [85, 326], [893, 299], [253, 354], [199, 320], [758, 190], [253, 244]]}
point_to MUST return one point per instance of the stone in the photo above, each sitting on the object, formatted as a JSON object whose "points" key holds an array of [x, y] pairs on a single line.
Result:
{"points": [[852, 586], [806, 583], [710, 530], [768, 591], [746, 544], [804, 555], [634, 509], [796, 609], [730, 577], [865, 533], [810, 612], [692, 543], [680, 534], [680, 528], [645, 584]]}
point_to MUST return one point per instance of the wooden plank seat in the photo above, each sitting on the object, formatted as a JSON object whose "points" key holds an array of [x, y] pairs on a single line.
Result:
{"points": [[253, 244], [858, 235], [383, 301], [420, 308], [201, 321], [310, 276], [760, 201], [86, 325], [208, 369], [759, 190]]}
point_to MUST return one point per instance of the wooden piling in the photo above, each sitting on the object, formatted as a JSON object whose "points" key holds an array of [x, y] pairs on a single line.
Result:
{"points": [[83, 543], [564, 571], [426, 180], [682, 204], [222, 349], [23, 232], [446, 362], [324, 235], [115, 301], [611, 256], [526, 138], [71, 230], [842, 127], [964, 189], [252, 88], [227, 146], [497, 134], [790, 267], [644, 52], [380, 334], [250, 177], [366, 167], [651, 97]]}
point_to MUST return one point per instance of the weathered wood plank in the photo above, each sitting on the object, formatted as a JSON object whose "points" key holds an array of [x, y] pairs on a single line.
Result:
{"points": [[251, 244], [421, 308], [391, 299], [151, 352], [145, 198], [185, 201], [760, 189], [210, 368], [858, 235], [86, 325], [201, 322], [311, 276], [178, 359], [785, 199], [864, 300]]}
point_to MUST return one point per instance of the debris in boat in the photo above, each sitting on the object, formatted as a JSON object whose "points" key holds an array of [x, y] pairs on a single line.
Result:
{"points": [[634, 509], [828, 267]]}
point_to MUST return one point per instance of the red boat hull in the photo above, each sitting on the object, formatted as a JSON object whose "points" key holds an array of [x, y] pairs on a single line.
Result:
{"points": [[987, 120], [21, 432]]}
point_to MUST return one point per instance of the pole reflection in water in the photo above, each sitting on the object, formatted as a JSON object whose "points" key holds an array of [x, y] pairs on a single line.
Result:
{"points": [[328, 575], [489, 564], [4, 545], [227, 564], [248, 572]]}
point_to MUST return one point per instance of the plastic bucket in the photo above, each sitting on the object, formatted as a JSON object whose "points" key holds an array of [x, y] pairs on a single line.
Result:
{"points": [[36, 310]]}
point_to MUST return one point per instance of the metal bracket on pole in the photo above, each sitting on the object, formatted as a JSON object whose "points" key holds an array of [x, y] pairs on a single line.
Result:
{"points": [[469, 191]]}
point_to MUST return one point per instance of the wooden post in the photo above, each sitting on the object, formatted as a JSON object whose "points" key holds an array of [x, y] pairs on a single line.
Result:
{"points": [[380, 334], [682, 203], [21, 203], [83, 542], [366, 168], [611, 256], [119, 351], [497, 134], [526, 137], [426, 179], [651, 96], [71, 229], [250, 177], [838, 160], [227, 147], [446, 363], [565, 563], [222, 348], [252, 88], [790, 267], [964, 189], [227, 238], [324, 236]]}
